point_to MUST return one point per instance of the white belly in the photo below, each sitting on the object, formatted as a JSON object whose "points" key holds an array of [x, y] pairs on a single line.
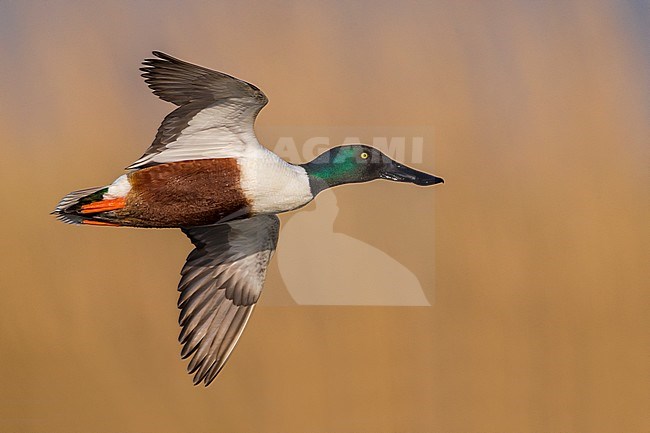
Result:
{"points": [[271, 184]]}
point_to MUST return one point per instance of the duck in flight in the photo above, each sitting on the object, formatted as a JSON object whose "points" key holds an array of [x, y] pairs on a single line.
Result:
{"points": [[207, 174]]}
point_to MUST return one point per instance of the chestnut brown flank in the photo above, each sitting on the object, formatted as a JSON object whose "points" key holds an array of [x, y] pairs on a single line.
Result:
{"points": [[184, 194]]}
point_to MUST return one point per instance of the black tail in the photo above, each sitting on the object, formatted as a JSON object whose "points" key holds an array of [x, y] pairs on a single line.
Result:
{"points": [[68, 208]]}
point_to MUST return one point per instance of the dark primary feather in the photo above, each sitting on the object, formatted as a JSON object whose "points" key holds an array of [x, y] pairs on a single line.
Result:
{"points": [[220, 284], [180, 82]]}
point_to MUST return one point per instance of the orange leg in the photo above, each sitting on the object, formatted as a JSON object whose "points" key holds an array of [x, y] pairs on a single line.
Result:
{"points": [[103, 205]]}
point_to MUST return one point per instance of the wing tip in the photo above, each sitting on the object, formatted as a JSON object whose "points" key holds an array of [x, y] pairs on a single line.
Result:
{"points": [[208, 376], [151, 64], [162, 55]]}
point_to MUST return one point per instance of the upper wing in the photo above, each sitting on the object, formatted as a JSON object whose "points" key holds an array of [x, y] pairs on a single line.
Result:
{"points": [[220, 284], [215, 115]]}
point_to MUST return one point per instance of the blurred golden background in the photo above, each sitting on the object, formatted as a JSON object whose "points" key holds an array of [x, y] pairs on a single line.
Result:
{"points": [[536, 266]]}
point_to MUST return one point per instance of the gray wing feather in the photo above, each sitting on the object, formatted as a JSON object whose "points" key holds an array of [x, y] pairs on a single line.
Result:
{"points": [[221, 281], [234, 104]]}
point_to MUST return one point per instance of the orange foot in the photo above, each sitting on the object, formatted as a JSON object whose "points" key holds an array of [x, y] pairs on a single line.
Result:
{"points": [[98, 223]]}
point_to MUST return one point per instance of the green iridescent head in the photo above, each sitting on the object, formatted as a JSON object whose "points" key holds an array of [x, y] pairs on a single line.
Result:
{"points": [[359, 163]]}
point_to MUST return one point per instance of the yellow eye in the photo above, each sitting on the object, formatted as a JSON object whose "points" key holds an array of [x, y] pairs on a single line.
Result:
{"points": [[364, 155]]}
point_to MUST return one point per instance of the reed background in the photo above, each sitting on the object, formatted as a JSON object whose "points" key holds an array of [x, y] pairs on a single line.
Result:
{"points": [[540, 239]]}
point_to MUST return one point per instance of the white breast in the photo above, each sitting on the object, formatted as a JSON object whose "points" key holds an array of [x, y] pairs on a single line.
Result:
{"points": [[271, 184]]}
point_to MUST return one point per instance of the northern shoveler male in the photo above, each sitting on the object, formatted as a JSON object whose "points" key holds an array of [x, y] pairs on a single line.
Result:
{"points": [[207, 174]]}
